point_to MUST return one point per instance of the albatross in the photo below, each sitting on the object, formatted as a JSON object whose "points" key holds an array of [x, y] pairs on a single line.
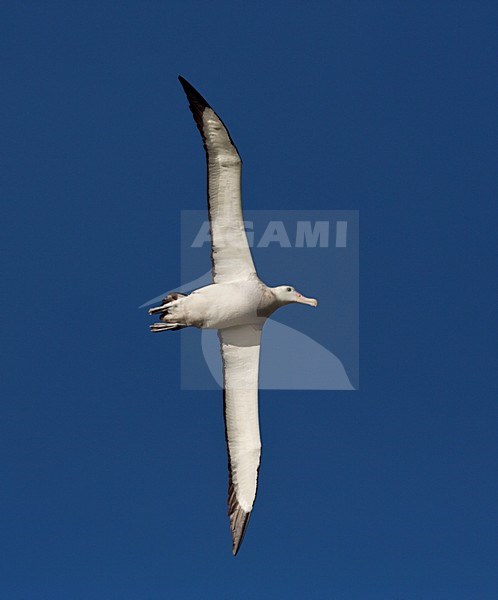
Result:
{"points": [[237, 304]]}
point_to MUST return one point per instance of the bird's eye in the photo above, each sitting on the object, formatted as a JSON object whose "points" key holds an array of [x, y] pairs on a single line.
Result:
{"points": [[289, 289]]}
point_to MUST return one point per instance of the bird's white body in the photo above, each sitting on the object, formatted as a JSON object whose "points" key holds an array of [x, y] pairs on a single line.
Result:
{"points": [[219, 306]]}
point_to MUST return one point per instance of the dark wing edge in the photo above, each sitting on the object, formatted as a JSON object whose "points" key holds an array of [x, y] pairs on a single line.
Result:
{"points": [[196, 102], [197, 105], [239, 519]]}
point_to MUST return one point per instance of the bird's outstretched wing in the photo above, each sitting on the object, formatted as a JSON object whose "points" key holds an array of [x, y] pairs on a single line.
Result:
{"points": [[240, 352], [230, 254]]}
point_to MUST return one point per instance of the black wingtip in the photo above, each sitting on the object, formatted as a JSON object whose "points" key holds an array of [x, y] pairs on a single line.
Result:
{"points": [[198, 105], [237, 542], [239, 520], [195, 99]]}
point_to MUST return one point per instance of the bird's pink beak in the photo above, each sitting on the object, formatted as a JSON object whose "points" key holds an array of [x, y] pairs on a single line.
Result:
{"points": [[303, 300]]}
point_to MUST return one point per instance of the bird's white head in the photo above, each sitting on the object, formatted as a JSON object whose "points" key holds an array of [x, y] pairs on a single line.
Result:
{"points": [[286, 294]]}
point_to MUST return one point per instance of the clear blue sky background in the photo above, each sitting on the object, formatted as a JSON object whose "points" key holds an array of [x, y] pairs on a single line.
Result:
{"points": [[113, 482]]}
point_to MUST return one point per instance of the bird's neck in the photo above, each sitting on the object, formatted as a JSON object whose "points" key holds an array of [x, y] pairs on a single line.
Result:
{"points": [[268, 303]]}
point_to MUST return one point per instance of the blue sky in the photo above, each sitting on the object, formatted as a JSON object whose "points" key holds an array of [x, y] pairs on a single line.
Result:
{"points": [[113, 479]]}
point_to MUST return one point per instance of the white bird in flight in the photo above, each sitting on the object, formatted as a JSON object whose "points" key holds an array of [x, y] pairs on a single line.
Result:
{"points": [[237, 304]]}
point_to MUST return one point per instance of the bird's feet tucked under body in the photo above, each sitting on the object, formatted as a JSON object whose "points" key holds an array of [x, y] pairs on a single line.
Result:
{"points": [[167, 323]]}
